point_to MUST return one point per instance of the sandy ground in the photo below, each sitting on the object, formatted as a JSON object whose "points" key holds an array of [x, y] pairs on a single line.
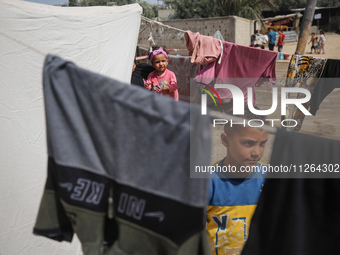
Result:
{"points": [[332, 47], [326, 123]]}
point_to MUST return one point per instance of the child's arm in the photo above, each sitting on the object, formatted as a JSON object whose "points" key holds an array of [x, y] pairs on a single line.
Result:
{"points": [[172, 83], [148, 82]]}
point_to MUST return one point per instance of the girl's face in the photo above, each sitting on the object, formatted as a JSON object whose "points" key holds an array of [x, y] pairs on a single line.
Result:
{"points": [[160, 63]]}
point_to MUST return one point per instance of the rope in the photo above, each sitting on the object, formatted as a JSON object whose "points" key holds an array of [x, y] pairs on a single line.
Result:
{"points": [[151, 41], [144, 28], [161, 24]]}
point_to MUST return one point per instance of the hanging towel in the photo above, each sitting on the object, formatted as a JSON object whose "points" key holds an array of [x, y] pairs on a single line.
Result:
{"points": [[218, 35], [309, 152], [241, 66], [303, 71], [119, 166], [298, 216], [202, 49], [185, 73], [325, 85]]}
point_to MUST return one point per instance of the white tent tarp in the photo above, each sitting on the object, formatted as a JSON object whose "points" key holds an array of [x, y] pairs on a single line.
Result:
{"points": [[100, 39]]}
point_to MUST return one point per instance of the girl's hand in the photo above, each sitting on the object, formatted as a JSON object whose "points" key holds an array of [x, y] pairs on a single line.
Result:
{"points": [[165, 88], [147, 85]]}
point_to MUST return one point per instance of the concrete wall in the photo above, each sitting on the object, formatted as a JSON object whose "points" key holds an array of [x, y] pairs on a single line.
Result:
{"points": [[232, 28], [165, 14], [244, 28]]}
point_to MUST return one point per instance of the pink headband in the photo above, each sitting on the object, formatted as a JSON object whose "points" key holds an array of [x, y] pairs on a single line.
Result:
{"points": [[156, 52]]}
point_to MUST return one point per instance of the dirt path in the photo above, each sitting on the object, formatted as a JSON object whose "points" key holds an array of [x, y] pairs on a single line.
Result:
{"points": [[332, 47]]}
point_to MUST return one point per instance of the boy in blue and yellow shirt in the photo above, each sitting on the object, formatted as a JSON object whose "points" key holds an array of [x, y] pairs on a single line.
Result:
{"points": [[234, 194]]}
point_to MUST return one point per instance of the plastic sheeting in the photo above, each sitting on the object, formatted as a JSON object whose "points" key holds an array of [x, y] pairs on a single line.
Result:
{"points": [[100, 39]]}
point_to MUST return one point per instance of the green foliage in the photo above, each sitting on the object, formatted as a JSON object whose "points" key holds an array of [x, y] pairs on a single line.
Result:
{"points": [[285, 5], [72, 2], [250, 9], [149, 10], [193, 8], [253, 9], [328, 3]]}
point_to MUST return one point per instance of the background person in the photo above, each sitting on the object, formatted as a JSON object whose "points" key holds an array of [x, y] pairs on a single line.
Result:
{"points": [[312, 41], [322, 42], [281, 40], [317, 45], [140, 71], [271, 38], [162, 80]]}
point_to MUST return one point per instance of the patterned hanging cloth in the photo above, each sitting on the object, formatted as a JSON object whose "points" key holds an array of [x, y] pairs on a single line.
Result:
{"points": [[303, 72]]}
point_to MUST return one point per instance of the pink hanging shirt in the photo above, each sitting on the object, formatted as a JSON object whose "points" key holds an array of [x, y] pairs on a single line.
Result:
{"points": [[241, 66], [202, 49]]}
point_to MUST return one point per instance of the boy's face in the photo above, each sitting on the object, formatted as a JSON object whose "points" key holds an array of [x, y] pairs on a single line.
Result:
{"points": [[160, 63], [245, 146]]}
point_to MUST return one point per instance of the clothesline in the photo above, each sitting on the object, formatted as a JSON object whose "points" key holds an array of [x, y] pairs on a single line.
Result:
{"points": [[180, 30], [161, 24], [169, 50], [140, 31]]}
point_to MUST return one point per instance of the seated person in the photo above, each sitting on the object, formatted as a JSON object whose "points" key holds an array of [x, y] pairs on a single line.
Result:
{"points": [[140, 71]]}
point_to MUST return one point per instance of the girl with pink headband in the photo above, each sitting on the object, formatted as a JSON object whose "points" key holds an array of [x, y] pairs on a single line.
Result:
{"points": [[162, 80]]}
